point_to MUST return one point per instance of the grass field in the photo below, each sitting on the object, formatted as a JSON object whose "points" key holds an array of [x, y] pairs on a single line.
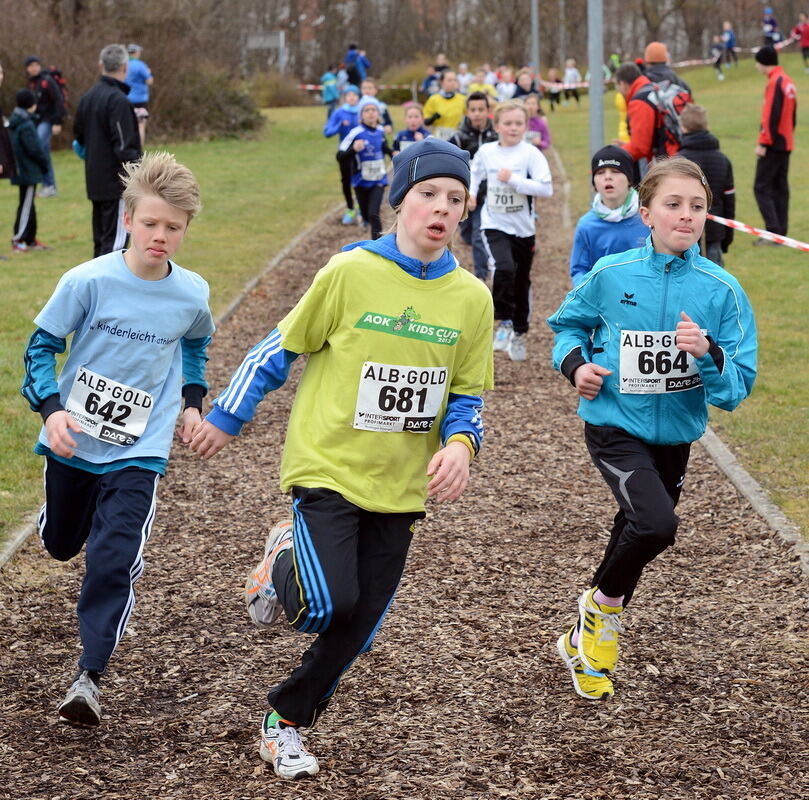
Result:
{"points": [[259, 193], [769, 432]]}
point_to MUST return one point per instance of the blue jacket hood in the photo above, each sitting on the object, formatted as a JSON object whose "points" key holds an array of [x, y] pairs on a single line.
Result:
{"points": [[386, 247]]}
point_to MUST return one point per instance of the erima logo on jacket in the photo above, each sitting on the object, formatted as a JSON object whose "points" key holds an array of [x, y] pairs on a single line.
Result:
{"points": [[627, 299]]}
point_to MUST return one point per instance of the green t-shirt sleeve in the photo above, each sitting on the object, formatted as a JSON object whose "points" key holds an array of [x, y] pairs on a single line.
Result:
{"points": [[476, 371], [307, 327]]}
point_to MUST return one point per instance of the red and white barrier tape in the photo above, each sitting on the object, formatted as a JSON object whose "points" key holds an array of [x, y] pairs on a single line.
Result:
{"points": [[773, 237], [316, 87]]}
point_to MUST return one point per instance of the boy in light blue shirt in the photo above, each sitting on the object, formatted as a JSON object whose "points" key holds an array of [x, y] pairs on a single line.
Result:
{"points": [[140, 327]]}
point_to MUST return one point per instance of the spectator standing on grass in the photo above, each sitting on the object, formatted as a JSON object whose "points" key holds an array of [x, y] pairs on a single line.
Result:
{"points": [[775, 143], [32, 164], [50, 114], [572, 76], [770, 32], [139, 327], [729, 42], [474, 131], [649, 339], [702, 147], [717, 54], [357, 64], [329, 93], [7, 165], [398, 337], [641, 117], [107, 137], [656, 66], [140, 80], [801, 33]]}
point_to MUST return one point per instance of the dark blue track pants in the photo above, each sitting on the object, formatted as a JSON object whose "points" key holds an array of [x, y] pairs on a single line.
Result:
{"points": [[113, 514]]}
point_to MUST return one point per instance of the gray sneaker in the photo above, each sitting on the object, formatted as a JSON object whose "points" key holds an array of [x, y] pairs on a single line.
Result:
{"points": [[259, 593], [516, 347], [81, 704], [285, 750]]}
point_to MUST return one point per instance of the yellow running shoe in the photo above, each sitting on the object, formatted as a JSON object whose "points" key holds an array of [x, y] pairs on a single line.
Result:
{"points": [[599, 627], [588, 684]]}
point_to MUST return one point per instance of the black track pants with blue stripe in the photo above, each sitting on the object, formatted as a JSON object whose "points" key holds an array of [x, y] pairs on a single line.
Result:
{"points": [[338, 581], [113, 514]]}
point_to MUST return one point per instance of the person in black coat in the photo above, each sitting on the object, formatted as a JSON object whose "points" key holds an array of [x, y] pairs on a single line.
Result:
{"points": [[32, 164], [702, 147], [7, 166], [106, 137], [50, 114]]}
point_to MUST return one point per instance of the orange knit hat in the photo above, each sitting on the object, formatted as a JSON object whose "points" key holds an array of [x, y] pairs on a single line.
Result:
{"points": [[656, 53]]}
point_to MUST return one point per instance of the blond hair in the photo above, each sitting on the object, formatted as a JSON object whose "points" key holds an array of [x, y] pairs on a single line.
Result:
{"points": [[694, 118], [663, 168], [509, 105], [159, 174]]}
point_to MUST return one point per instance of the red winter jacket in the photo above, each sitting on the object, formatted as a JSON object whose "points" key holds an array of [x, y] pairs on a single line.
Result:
{"points": [[641, 119], [779, 112]]}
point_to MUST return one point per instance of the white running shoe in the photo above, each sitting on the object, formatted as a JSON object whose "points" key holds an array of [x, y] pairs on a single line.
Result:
{"points": [[81, 704], [503, 334], [259, 593], [284, 749], [516, 347]]}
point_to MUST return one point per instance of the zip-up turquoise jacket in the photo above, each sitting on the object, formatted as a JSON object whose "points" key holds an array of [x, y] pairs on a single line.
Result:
{"points": [[642, 290]]}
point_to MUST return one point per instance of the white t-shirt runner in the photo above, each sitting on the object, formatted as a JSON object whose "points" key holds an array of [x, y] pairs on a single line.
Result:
{"points": [[507, 206]]}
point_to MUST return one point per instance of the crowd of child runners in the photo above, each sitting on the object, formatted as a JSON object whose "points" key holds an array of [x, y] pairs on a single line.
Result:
{"points": [[400, 342]]}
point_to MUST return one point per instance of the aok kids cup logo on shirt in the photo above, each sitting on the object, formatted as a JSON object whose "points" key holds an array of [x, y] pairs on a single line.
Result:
{"points": [[409, 325]]}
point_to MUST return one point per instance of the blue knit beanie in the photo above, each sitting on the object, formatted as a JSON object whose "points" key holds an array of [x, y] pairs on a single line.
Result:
{"points": [[429, 158]]}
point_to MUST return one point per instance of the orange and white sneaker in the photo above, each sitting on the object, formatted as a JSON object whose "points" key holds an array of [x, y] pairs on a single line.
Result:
{"points": [[259, 593], [284, 749]]}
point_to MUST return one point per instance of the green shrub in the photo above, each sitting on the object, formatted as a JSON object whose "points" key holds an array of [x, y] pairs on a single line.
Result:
{"points": [[207, 103], [275, 89], [403, 74]]}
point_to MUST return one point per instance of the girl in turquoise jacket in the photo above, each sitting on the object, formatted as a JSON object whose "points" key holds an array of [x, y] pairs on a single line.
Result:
{"points": [[649, 339]]}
